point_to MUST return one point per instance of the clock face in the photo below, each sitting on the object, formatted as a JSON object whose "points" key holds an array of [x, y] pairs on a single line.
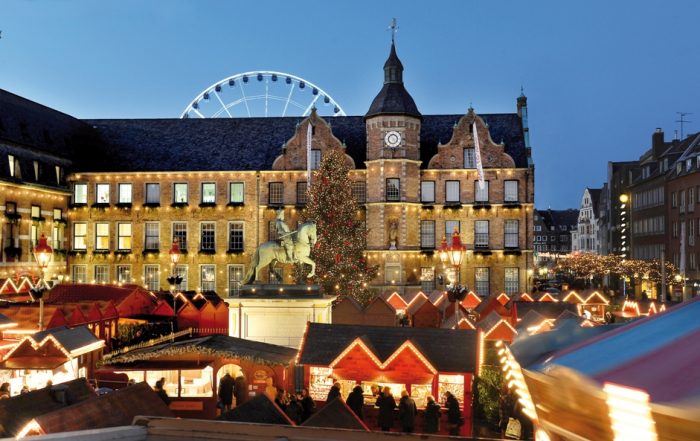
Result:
{"points": [[392, 139]]}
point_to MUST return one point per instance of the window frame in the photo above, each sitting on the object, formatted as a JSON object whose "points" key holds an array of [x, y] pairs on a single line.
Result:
{"points": [[472, 157], [75, 236], [181, 243], [146, 198], [202, 226], [506, 199], [120, 193], [448, 190], [479, 234], [231, 193], [202, 190], [99, 237], [393, 198], [147, 281], [177, 185], [99, 188], [151, 236], [83, 200], [231, 248], [233, 290], [509, 235], [121, 236], [423, 198], [278, 193], [478, 192], [207, 266], [359, 191], [425, 239], [302, 194]]}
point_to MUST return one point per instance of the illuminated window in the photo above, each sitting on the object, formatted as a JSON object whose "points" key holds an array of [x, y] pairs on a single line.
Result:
{"points": [[208, 193], [208, 236], [481, 195], [124, 236], [207, 277], [36, 212], [511, 234], [180, 193], [450, 227], [453, 384], [301, 193], [510, 191], [315, 159], [392, 273], [80, 193], [101, 273], [427, 191], [78, 273], [512, 281], [481, 281], [124, 273], [236, 193], [427, 279], [153, 193], [235, 236], [235, 276], [359, 191], [151, 275], [393, 190], [180, 234], [276, 196], [452, 191], [101, 236], [320, 382], [57, 236], [79, 236], [152, 238], [57, 214], [427, 234], [271, 230], [124, 193], [481, 234], [197, 382], [102, 193], [181, 270], [469, 158]]}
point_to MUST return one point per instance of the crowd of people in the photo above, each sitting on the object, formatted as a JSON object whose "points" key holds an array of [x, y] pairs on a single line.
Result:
{"points": [[407, 409]]}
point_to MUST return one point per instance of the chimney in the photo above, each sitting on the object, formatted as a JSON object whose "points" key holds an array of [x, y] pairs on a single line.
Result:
{"points": [[657, 142]]}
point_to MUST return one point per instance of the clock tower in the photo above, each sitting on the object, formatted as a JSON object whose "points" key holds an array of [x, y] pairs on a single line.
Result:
{"points": [[393, 125]]}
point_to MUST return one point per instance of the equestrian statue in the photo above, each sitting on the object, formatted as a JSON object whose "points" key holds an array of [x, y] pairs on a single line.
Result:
{"points": [[290, 247]]}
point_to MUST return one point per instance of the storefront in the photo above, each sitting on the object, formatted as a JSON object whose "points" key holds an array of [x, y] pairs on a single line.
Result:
{"points": [[422, 361], [192, 368]]}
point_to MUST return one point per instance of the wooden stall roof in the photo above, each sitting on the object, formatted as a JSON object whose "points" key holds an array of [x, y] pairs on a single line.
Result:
{"points": [[51, 348], [257, 410], [336, 415], [19, 410], [76, 292], [323, 343], [116, 408], [459, 320], [6, 322], [550, 310], [212, 346], [72, 339], [531, 318]]}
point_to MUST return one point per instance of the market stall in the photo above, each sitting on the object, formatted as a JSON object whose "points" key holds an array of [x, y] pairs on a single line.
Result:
{"points": [[422, 361], [192, 368]]}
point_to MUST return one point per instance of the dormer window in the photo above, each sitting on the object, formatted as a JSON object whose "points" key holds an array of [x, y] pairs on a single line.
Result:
{"points": [[679, 167], [36, 170], [15, 170], [688, 164], [59, 174]]}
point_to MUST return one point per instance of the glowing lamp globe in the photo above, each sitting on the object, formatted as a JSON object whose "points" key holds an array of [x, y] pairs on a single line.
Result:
{"points": [[42, 252], [456, 249], [175, 253]]}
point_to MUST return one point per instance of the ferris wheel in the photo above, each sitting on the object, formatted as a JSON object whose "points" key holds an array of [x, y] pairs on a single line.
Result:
{"points": [[261, 93]]}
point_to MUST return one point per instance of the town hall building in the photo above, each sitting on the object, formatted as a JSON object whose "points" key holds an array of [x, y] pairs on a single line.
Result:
{"points": [[113, 195]]}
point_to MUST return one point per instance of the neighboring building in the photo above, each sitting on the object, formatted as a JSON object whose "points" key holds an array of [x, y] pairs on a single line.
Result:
{"points": [[214, 186], [620, 177], [552, 232], [648, 199], [585, 237], [683, 189]]}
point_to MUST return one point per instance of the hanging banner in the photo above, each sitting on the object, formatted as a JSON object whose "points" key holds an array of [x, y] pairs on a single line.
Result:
{"points": [[477, 156], [309, 134]]}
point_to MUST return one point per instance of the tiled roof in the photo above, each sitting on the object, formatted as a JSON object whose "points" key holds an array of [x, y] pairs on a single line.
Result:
{"points": [[70, 338], [559, 217], [253, 143], [324, 342], [17, 411], [114, 409]]}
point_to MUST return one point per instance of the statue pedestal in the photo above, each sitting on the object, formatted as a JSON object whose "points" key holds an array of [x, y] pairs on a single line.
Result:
{"points": [[280, 291], [277, 314]]}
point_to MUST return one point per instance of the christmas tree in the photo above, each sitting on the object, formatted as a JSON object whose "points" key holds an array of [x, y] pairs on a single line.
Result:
{"points": [[341, 267]]}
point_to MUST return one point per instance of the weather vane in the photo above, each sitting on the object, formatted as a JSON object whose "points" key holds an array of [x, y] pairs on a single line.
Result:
{"points": [[393, 28]]}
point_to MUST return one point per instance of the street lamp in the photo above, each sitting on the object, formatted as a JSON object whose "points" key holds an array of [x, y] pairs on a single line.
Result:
{"points": [[455, 252], [174, 279], [42, 254]]}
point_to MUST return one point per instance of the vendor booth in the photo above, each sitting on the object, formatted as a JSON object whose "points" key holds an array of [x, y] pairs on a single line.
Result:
{"points": [[193, 367], [422, 361]]}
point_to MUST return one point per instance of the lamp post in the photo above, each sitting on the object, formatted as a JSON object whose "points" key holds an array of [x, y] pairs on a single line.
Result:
{"points": [[42, 254], [454, 252], [174, 279]]}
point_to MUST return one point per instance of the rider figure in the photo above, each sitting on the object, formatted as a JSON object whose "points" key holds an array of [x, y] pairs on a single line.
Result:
{"points": [[284, 235]]}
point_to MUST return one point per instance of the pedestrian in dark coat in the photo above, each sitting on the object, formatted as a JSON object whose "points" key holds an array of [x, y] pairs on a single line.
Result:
{"points": [[294, 410], [407, 413], [333, 393], [431, 416], [225, 392], [356, 401], [454, 416], [240, 389], [386, 405], [307, 403], [160, 390]]}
